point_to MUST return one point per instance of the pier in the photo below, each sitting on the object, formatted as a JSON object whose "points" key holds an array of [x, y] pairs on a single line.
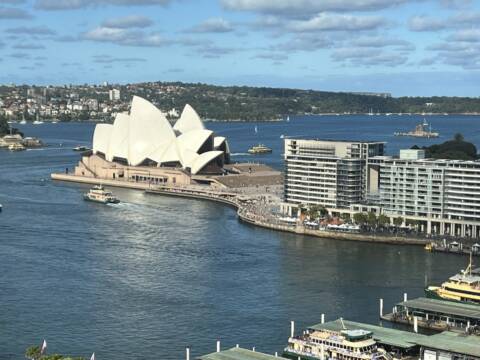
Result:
{"points": [[438, 315]]}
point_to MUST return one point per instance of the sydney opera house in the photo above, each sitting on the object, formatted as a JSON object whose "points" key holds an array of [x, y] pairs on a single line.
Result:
{"points": [[143, 146]]}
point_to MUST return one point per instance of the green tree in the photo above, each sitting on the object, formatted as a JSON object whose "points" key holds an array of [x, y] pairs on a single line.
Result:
{"points": [[33, 353], [360, 218], [458, 137], [372, 219], [398, 221], [345, 217], [383, 220]]}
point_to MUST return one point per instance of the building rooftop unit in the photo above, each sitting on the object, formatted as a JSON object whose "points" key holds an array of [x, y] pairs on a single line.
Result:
{"points": [[387, 336], [453, 342], [471, 311], [238, 354]]}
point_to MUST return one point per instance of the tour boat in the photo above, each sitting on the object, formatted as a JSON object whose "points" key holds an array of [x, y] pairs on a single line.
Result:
{"points": [[99, 194], [462, 287], [259, 149], [325, 344]]}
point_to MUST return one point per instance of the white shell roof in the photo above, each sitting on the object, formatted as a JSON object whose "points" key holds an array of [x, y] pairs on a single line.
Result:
{"points": [[119, 139], [146, 134], [149, 131], [189, 120], [101, 137]]}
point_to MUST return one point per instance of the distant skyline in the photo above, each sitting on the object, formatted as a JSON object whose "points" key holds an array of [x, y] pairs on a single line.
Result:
{"points": [[423, 47]]}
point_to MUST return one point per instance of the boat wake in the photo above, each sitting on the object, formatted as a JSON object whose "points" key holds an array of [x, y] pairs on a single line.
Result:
{"points": [[239, 154]]}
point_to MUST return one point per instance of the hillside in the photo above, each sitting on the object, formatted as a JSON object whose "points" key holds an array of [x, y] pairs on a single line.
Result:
{"points": [[261, 103]]}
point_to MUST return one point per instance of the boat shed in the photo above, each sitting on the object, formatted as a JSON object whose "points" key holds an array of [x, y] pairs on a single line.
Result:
{"points": [[397, 341], [238, 354], [450, 345], [438, 313]]}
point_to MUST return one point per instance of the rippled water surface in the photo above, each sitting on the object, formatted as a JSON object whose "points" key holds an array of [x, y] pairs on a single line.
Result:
{"points": [[154, 274]]}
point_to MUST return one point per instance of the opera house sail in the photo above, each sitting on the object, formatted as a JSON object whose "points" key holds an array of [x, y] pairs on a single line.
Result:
{"points": [[145, 137]]}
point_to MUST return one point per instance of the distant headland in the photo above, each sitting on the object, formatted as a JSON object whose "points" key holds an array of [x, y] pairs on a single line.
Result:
{"points": [[217, 103]]}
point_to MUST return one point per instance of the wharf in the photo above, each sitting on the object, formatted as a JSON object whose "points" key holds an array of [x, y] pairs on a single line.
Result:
{"points": [[252, 208], [438, 315]]}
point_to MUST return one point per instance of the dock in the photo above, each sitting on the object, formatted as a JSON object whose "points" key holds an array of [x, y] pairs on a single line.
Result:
{"points": [[438, 315], [453, 247]]}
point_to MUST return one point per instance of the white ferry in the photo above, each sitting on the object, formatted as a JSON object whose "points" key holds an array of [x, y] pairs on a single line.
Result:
{"points": [[343, 345], [99, 194]]}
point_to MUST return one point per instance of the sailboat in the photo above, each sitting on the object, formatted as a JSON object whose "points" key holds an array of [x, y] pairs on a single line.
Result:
{"points": [[288, 118], [256, 129], [370, 112]]}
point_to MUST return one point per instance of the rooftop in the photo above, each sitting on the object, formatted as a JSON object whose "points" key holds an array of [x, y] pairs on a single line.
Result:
{"points": [[307, 138], [383, 335], [453, 342], [238, 354], [470, 311]]}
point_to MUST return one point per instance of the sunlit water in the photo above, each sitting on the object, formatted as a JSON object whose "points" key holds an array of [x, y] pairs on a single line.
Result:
{"points": [[154, 274]]}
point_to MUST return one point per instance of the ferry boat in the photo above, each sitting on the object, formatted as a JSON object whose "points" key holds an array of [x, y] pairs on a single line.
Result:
{"points": [[259, 149], [423, 130], [99, 194], [462, 287], [355, 344], [16, 147]]}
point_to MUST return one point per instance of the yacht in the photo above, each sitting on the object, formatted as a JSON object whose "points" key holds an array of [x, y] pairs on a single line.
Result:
{"points": [[37, 122], [462, 287], [259, 149], [325, 344], [99, 194]]}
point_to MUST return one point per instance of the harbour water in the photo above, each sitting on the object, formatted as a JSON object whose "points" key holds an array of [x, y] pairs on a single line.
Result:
{"points": [[154, 274]]}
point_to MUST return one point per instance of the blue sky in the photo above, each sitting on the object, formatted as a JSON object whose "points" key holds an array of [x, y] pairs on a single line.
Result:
{"points": [[423, 47]]}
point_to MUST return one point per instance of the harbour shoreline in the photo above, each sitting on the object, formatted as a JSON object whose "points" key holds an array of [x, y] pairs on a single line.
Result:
{"points": [[234, 200]]}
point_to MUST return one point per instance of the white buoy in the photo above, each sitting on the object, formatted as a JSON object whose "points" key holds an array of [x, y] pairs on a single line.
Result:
{"points": [[292, 329], [415, 324], [218, 345], [187, 353], [381, 307], [323, 319]]}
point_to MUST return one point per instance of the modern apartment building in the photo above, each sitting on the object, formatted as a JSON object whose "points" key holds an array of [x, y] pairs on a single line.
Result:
{"points": [[327, 172], [443, 195]]}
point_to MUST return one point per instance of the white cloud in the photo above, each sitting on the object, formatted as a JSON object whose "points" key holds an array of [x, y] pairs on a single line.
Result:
{"points": [[125, 37], [307, 7], [337, 22], [126, 22], [78, 4], [212, 25], [424, 23]]}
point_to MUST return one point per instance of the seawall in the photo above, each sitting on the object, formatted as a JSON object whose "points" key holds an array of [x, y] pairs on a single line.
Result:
{"points": [[232, 199]]}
